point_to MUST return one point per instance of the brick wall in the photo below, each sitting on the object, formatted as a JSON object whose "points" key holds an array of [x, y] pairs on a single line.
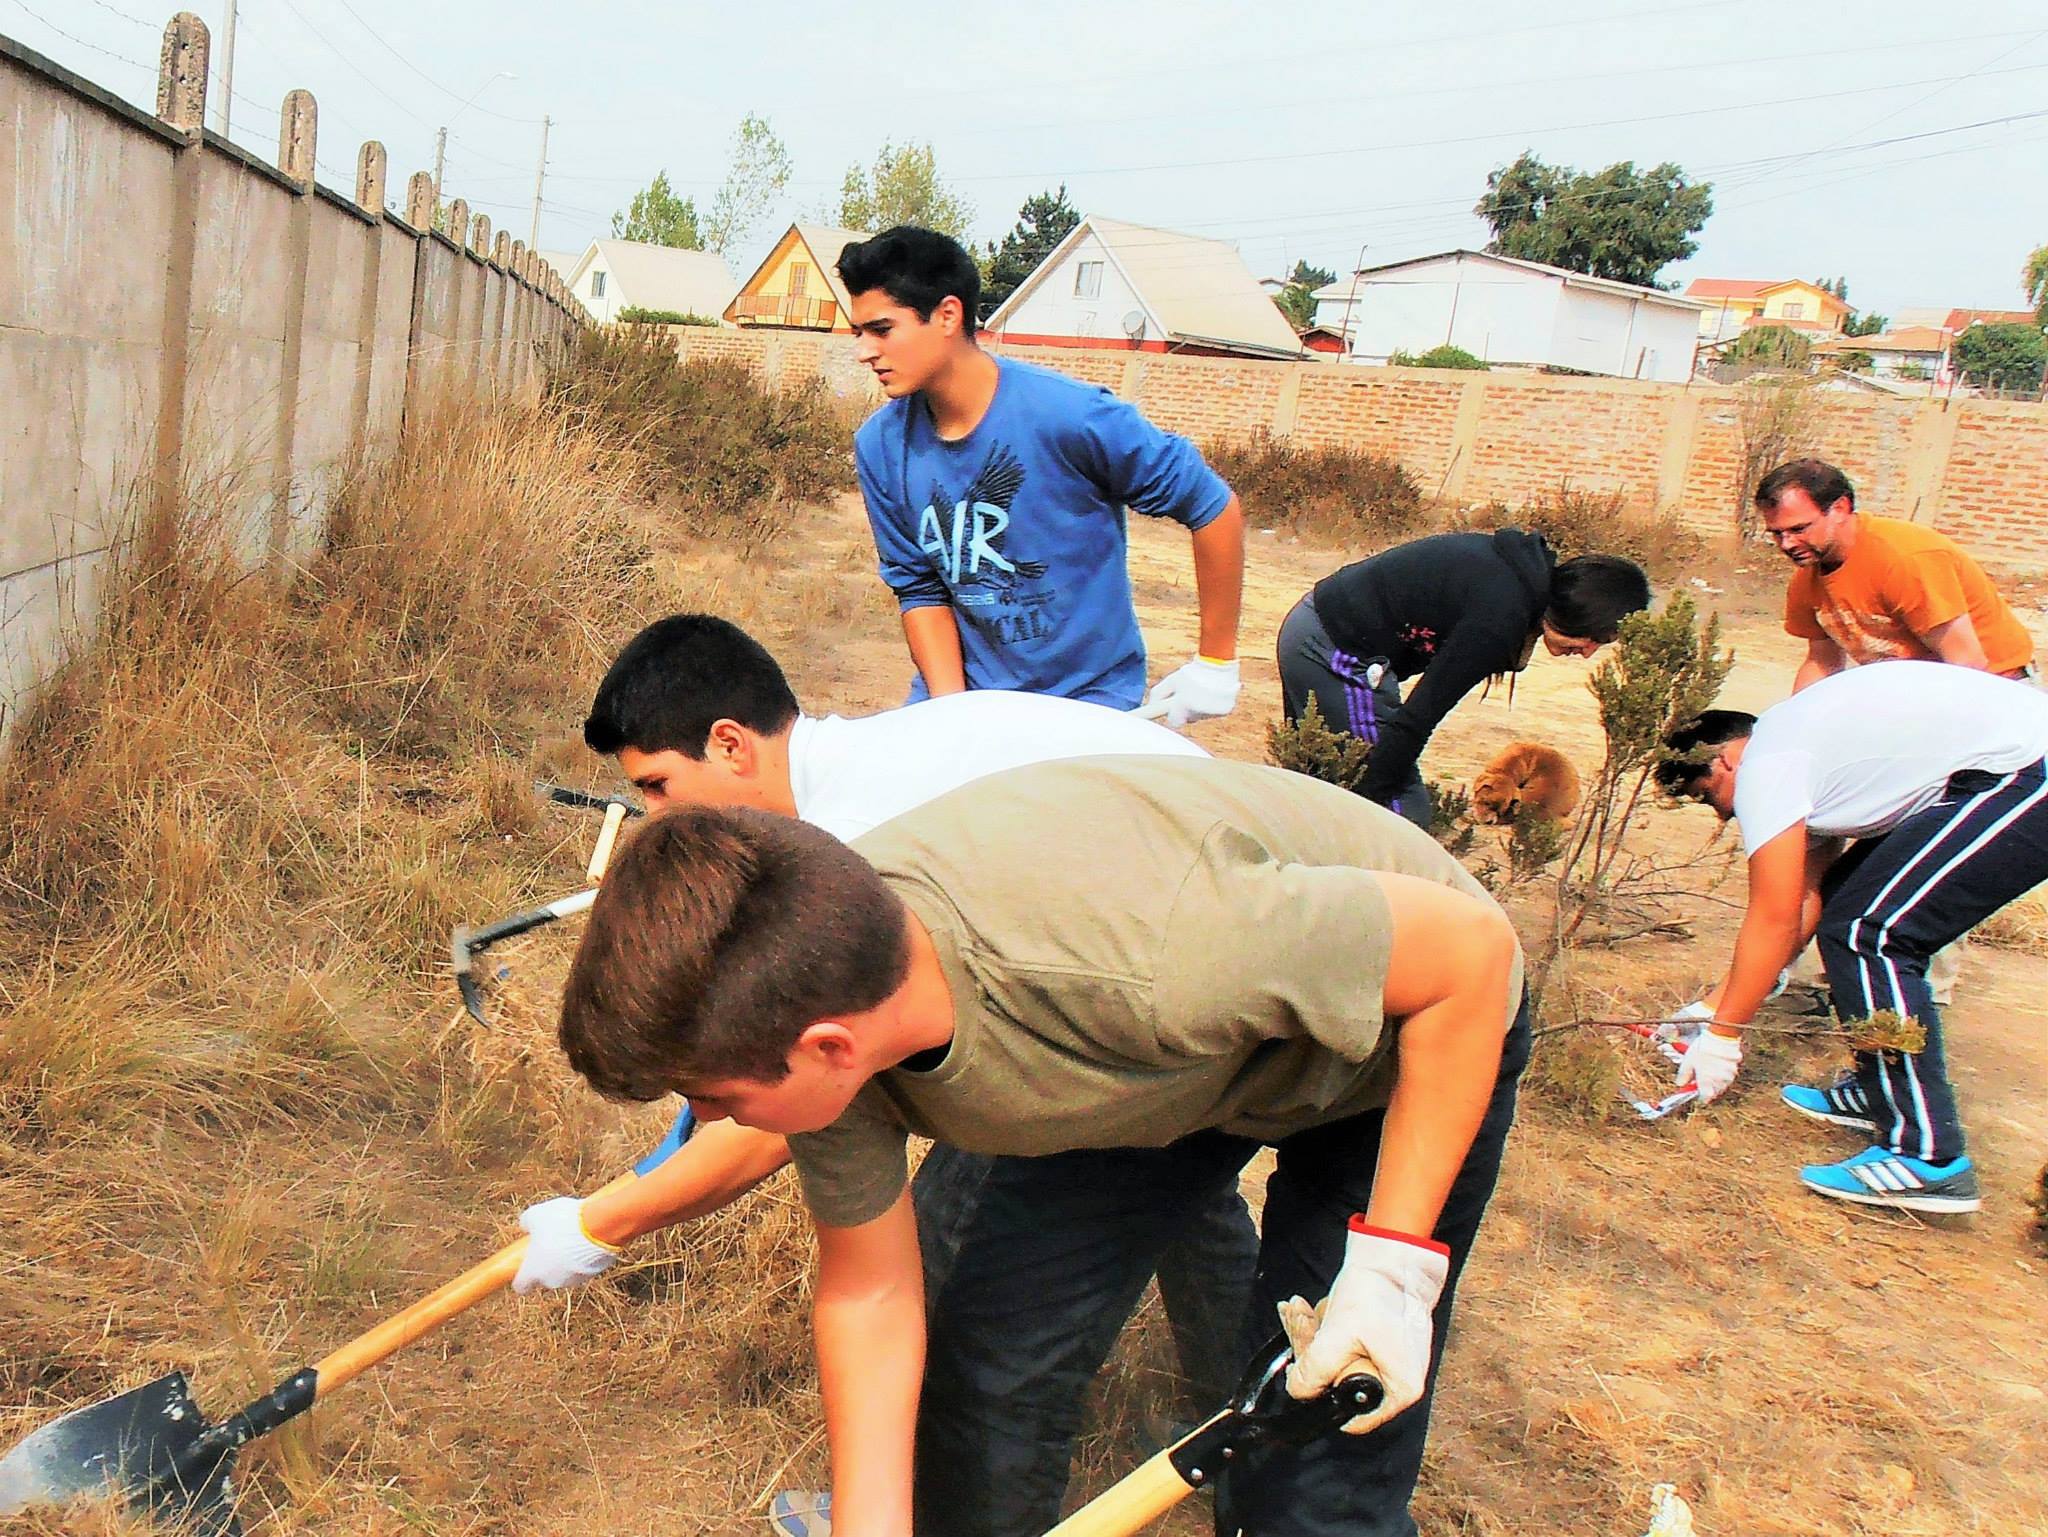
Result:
{"points": [[1975, 469], [1995, 485]]}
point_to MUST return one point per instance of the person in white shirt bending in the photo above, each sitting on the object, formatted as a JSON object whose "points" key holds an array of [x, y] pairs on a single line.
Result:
{"points": [[698, 713], [1885, 810]]}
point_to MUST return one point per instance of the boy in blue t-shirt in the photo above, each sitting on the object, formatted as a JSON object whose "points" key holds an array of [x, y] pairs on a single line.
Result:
{"points": [[997, 492]]}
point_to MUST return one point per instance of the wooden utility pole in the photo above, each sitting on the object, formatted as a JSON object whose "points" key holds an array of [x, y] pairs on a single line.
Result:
{"points": [[539, 175]]}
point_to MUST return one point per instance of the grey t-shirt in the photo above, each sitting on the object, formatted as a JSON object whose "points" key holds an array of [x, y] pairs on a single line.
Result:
{"points": [[1138, 949]]}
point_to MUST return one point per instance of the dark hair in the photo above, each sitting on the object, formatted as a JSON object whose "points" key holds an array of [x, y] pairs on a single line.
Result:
{"points": [[1591, 594], [678, 676], [1683, 763], [915, 267], [1816, 477], [718, 936]]}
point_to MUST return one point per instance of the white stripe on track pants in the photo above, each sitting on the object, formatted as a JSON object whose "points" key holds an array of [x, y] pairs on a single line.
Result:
{"points": [[1889, 903]]}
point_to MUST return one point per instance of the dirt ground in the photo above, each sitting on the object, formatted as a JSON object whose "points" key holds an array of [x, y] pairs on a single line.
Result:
{"points": [[1647, 1303]]}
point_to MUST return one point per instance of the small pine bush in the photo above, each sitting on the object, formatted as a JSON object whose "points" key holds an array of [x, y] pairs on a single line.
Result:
{"points": [[1312, 748]]}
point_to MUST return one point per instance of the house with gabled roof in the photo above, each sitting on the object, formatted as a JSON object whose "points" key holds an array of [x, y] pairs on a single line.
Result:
{"points": [[614, 275], [1734, 305], [797, 286], [1125, 287]]}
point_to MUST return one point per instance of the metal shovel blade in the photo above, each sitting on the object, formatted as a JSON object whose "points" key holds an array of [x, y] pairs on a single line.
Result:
{"points": [[140, 1445]]}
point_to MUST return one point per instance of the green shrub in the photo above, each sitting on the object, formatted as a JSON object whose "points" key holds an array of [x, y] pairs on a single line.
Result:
{"points": [[1333, 494], [1310, 747], [634, 315], [1445, 356], [708, 440], [1450, 815], [1535, 838]]}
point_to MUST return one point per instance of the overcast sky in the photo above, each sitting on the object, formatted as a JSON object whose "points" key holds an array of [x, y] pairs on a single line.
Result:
{"points": [[1835, 136]]}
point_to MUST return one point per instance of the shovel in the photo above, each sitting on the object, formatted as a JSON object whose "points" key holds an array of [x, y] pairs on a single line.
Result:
{"points": [[154, 1446], [1261, 1413]]}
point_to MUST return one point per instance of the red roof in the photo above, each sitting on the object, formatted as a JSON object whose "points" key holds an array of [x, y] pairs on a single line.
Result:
{"points": [[1958, 319], [1727, 288]]}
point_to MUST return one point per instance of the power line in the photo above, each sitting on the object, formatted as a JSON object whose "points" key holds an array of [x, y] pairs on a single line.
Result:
{"points": [[1475, 138], [383, 43], [81, 42], [1918, 101], [1377, 48], [1208, 113], [114, 10]]}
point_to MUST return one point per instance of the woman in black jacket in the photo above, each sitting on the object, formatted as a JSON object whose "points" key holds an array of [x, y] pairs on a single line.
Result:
{"points": [[1455, 608]]}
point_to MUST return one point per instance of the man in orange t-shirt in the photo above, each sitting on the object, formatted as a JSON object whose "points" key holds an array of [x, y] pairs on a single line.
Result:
{"points": [[1878, 589]]}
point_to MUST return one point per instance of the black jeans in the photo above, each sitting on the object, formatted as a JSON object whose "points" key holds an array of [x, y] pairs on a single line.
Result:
{"points": [[1889, 903], [1054, 1257], [1349, 695], [1205, 1272]]}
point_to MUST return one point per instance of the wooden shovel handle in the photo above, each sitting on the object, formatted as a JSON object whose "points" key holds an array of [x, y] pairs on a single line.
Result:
{"points": [[1145, 1494], [429, 1313]]}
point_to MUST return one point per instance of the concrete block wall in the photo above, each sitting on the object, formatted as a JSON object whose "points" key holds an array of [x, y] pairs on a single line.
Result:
{"points": [[181, 318], [1977, 470]]}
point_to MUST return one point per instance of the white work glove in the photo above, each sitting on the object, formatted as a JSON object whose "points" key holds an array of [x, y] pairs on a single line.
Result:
{"points": [[1202, 690], [561, 1252], [1688, 1022], [1378, 1318], [1710, 1064]]}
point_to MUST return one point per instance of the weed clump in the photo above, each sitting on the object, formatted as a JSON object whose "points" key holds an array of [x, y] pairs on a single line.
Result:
{"points": [[1886, 1030], [2039, 1202], [706, 441], [1310, 747], [1576, 1072], [1596, 523], [1340, 495]]}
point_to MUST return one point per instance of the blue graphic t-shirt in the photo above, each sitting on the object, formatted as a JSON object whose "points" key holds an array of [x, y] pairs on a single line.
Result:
{"points": [[1019, 528]]}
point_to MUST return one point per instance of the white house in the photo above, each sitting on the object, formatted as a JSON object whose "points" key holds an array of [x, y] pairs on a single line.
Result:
{"points": [[1915, 354], [612, 275], [1132, 288], [1505, 310]]}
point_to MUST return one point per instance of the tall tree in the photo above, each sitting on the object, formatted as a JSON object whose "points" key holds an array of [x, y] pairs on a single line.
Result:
{"points": [[902, 187], [1618, 223], [2002, 357], [1042, 223], [754, 179], [657, 216], [1297, 300], [2034, 278]]}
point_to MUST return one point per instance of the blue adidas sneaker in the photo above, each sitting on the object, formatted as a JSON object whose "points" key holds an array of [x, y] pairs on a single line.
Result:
{"points": [[1841, 1103], [1879, 1177]]}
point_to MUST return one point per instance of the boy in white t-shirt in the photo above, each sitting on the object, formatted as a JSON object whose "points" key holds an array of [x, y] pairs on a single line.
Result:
{"points": [[1885, 810], [698, 713]]}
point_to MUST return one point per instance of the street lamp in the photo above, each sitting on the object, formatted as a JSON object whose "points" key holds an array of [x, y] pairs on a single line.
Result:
{"points": [[441, 134]]}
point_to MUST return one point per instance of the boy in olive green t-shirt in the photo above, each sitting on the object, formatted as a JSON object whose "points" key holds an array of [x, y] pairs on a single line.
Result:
{"points": [[1134, 972]]}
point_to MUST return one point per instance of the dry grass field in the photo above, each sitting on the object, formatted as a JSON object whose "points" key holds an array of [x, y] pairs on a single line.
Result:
{"points": [[241, 1119]]}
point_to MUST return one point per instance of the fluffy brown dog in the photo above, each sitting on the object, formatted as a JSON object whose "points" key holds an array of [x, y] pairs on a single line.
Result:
{"points": [[1527, 774]]}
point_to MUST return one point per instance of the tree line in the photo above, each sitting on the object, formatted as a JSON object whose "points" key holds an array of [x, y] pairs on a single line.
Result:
{"points": [[1620, 222]]}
